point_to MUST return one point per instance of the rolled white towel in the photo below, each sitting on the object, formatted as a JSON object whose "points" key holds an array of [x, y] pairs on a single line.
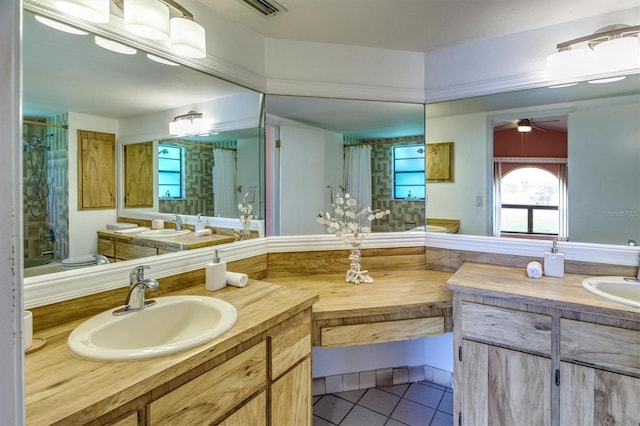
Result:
{"points": [[534, 270], [131, 230], [237, 279]]}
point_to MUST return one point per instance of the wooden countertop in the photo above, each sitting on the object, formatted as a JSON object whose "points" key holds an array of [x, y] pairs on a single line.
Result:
{"points": [[181, 242], [513, 283], [391, 292], [59, 385]]}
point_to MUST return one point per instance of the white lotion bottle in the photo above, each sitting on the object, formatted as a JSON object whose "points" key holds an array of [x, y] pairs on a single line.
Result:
{"points": [[216, 273], [554, 262]]}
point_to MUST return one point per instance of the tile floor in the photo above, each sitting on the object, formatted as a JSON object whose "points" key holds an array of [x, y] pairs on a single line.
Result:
{"points": [[413, 404]]}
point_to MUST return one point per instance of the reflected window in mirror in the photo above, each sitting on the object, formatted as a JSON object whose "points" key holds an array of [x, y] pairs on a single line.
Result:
{"points": [[170, 172], [408, 172]]}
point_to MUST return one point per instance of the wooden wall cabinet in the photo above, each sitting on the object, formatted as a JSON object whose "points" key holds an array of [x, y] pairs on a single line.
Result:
{"points": [[527, 364], [138, 175], [96, 170]]}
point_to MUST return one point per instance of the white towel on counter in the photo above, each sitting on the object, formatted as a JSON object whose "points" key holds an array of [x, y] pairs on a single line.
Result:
{"points": [[534, 270], [237, 279], [131, 230]]}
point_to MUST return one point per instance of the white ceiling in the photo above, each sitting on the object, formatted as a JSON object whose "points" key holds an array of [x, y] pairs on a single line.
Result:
{"points": [[414, 25]]}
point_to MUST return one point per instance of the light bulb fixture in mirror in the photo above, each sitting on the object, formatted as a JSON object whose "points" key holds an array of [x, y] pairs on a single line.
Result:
{"points": [[60, 26], [191, 123], [149, 19], [611, 49], [114, 46], [524, 126]]}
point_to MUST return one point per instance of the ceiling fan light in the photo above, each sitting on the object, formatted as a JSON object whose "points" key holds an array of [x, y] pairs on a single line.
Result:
{"points": [[88, 10], [524, 128], [187, 38], [147, 18], [566, 65]]}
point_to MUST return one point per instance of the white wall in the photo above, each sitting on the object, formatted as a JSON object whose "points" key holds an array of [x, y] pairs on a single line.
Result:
{"points": [[456, 200], [83, 224], [604, 201], [333, 165]]}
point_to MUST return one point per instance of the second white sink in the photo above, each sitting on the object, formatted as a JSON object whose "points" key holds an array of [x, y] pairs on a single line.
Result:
{"points": [[174, 324], [616, 289], [161, 233]]}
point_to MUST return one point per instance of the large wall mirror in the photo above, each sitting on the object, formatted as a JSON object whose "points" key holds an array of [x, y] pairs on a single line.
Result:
{"points": [[71, 84], [585, 137], [330, 146]]}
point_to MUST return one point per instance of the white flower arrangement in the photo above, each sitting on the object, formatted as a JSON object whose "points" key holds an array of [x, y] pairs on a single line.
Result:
{"points": [[246, 216], [349, 221]]}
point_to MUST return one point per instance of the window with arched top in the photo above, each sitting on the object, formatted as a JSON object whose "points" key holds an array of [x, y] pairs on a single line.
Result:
{"points": [[530, 200]]}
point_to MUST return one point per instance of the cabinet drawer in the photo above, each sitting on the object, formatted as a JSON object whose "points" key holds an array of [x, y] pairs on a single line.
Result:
{"points": [[523, 330], [208, 397], [378, 332], [601, 345], [133, 251], [254, 413], [106, 247], [291, 343]]}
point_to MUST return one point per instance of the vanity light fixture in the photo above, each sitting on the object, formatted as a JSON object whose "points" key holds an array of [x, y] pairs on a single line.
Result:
{"points": [[191, 123], [60, 26], [150, 19], [611, 49], [163, 61]]}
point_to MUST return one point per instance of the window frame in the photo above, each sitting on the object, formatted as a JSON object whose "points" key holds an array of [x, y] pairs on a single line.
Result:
{"points": [[395, 173], [180, 173]]}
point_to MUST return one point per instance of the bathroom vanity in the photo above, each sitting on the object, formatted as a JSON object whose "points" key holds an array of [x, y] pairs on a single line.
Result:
{"points": [[541, 352], [257, 373], [116, 246], [398, 305]]}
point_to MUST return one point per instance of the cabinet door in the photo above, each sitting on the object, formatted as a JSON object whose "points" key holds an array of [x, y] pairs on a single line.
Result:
{"points": [[138, 175], [291, 397], [96, 170], [254, 413], [504, 387], [591, 397]]}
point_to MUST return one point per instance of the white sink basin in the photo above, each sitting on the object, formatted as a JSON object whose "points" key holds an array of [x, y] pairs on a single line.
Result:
{"points": [[616, 289], [430, 228], [174, 324], [162, 233]]}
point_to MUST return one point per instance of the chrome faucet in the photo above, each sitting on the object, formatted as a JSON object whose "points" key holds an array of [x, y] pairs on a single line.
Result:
{"points": [[178, 222], [137, 287], [637, 278], [100, 259]]}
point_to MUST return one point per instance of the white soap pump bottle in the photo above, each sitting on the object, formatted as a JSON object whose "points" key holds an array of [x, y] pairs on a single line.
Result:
{"points": [[554, 262], [216, 273]]}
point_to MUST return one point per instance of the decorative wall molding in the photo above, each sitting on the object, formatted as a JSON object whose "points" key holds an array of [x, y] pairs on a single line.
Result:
{"points": [[47, 289]]}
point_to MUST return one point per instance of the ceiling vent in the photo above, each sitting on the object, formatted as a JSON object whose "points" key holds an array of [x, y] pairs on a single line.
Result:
{"points": [[264, 7]]}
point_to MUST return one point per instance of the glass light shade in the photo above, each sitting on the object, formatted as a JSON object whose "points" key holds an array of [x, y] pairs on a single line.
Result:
{"points": [[114, 46], [88, 10], [616, 54], [188, 126], [147, 18], [60, 26], [524, 128], [187, 38], [566, 65]]}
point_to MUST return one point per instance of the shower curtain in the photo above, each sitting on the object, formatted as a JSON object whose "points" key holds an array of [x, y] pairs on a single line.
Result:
{"points": [[225, 202], [357, 161]]}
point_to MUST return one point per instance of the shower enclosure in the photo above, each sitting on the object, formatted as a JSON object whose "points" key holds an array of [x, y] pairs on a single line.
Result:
{"points": [[45, 190]]}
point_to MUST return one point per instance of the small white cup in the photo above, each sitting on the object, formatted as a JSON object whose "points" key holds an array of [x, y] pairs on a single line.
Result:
{"points": [[157, 224], [27, 330]]}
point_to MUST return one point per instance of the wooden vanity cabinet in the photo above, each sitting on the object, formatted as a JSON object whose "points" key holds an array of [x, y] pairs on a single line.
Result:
{"points": [[521, 363]]}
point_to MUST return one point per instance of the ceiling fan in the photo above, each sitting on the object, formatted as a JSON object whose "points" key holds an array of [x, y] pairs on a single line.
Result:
{"points": [[524, 125]]}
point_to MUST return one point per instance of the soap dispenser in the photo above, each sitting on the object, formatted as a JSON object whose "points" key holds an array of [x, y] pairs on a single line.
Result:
{"points": [[199, 224], [554, 262], [216, 273]]}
